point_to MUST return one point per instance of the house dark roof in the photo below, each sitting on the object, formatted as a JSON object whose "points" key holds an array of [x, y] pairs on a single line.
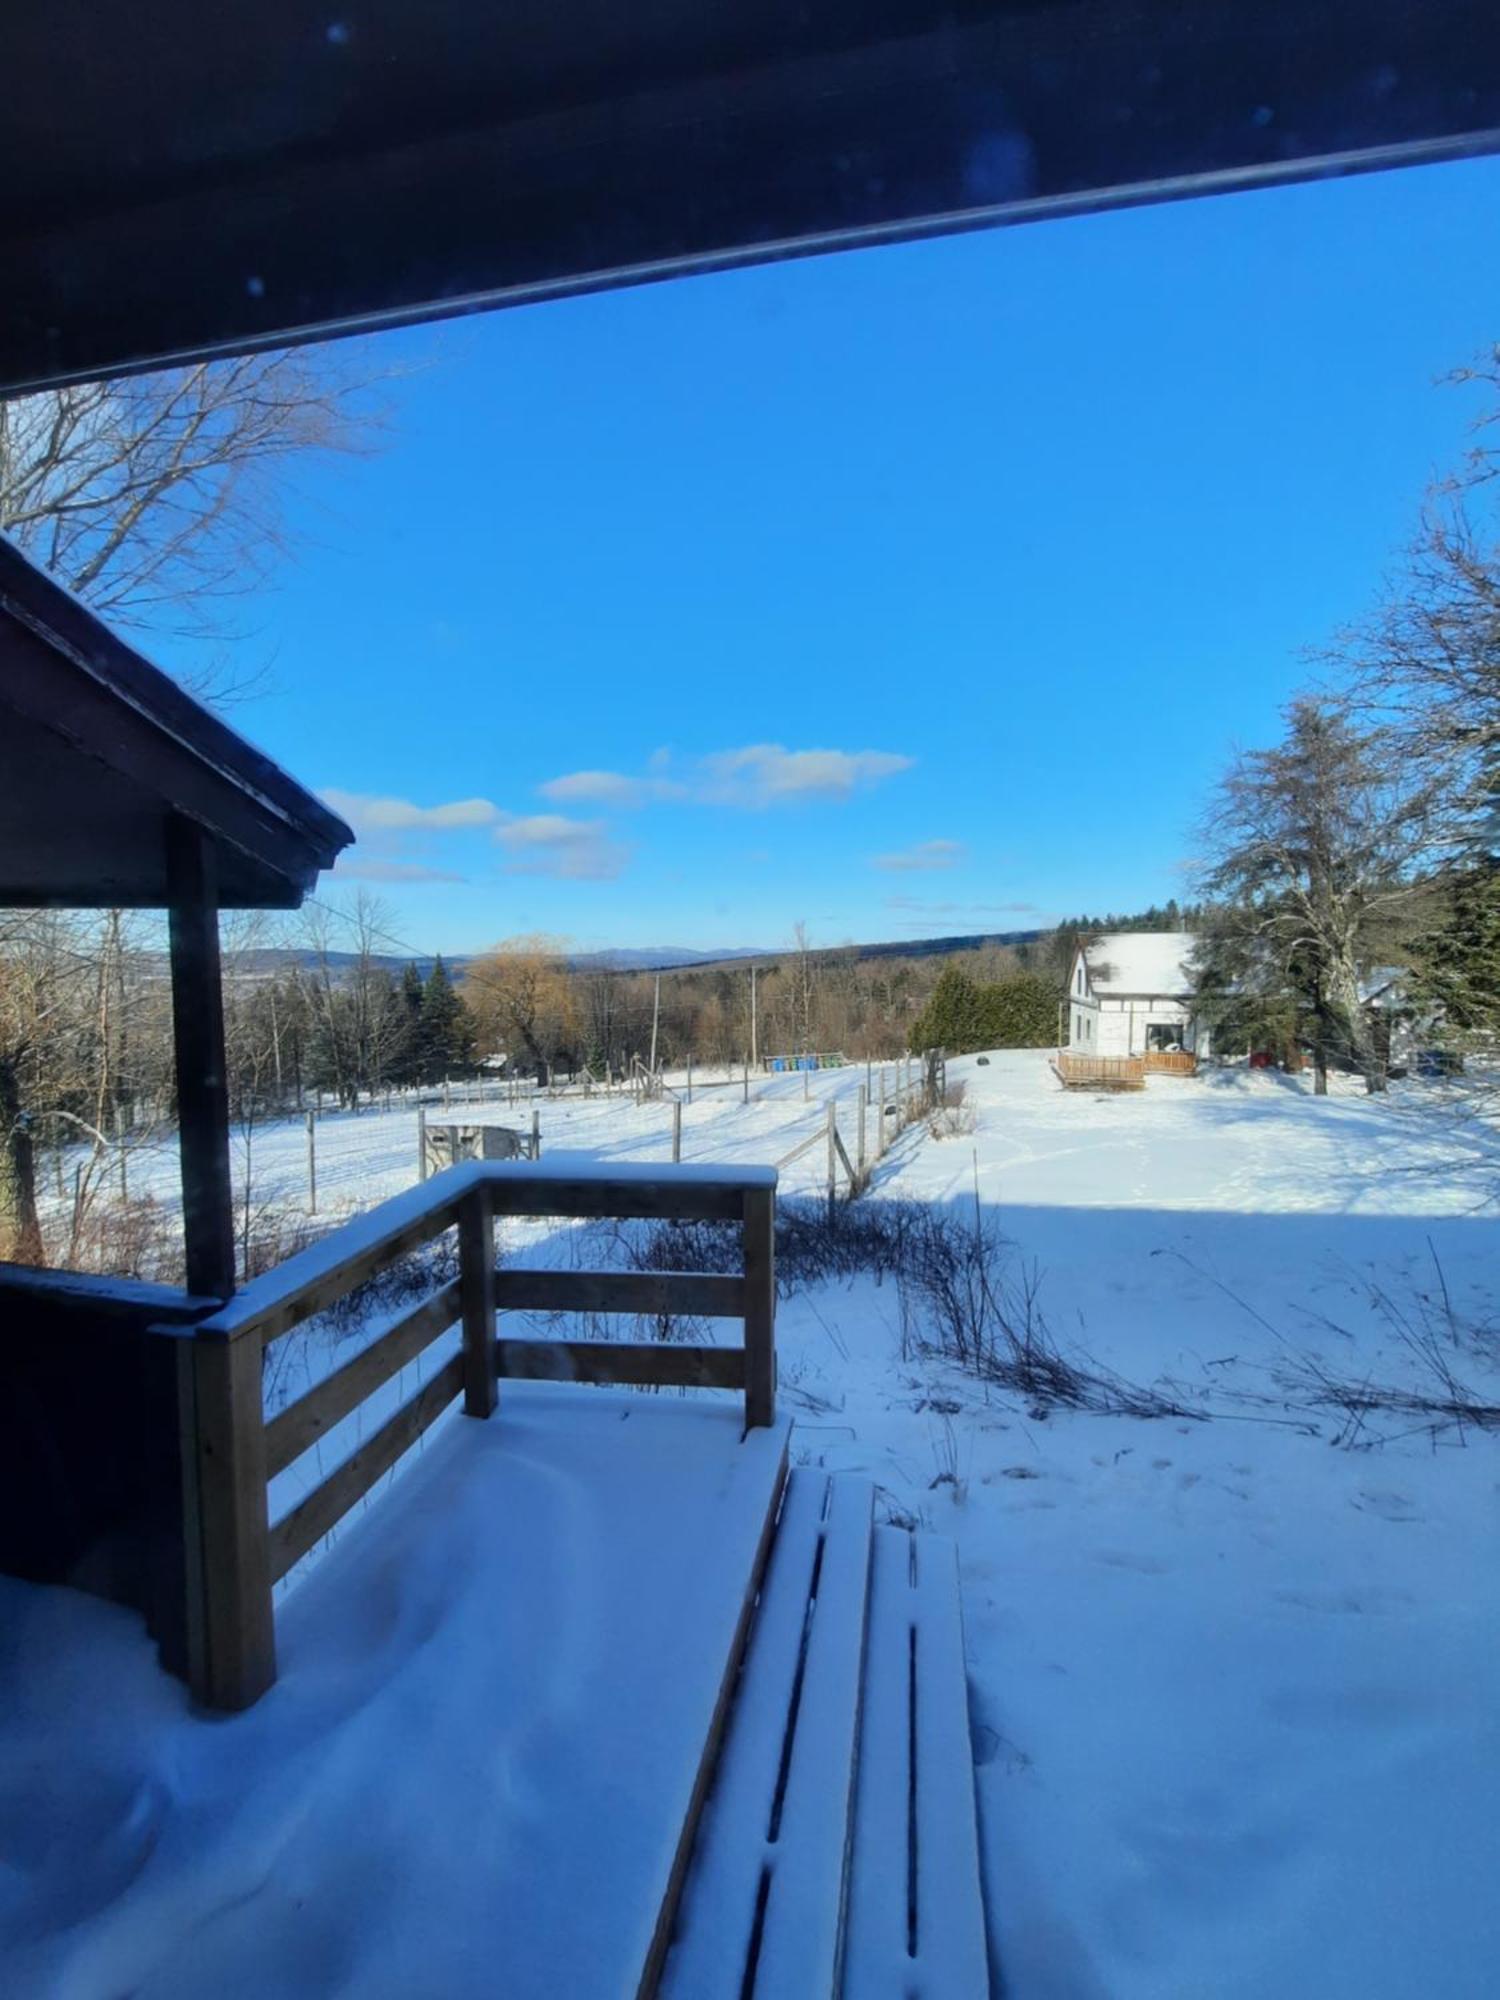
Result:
{"points": [[98, 751], [182, 179]]}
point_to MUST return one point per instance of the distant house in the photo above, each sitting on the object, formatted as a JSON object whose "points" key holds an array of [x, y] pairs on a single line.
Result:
{"points": [[1131, 993]]}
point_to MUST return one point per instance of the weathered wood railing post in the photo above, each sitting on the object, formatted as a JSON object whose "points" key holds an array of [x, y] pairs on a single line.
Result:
{"points": [[676, 1130], [831, 1123], [476, 1282], [231, 1625], [863, 1102], [758, 1241]]}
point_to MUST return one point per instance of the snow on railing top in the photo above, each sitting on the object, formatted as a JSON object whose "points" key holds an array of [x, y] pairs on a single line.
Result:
{"points": [[351, 1252]]}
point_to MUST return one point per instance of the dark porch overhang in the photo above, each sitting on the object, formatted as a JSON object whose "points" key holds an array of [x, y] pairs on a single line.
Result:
{"points": [[119, 790], [183, 181], [100, 753]]}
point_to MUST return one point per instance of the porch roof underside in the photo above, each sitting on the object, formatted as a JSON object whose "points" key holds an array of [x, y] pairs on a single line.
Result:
{"points": [[99, 751], [183, 181]]}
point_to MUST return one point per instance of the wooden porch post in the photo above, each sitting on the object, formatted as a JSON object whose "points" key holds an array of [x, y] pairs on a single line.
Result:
{"points": [[476, 1279], [758, 1241], [231, 1620], [198, 1039]]}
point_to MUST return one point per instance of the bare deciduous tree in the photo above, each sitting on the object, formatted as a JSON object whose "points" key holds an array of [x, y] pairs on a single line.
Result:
{"points": [[1425, 667], [160, 498]]}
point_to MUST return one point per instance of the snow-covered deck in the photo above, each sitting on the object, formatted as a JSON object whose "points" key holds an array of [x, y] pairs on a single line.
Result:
{"points": [[479, 1768]]}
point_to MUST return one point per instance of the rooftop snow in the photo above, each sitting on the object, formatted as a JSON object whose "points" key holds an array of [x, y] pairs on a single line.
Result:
{"points": [[1144, 962]]}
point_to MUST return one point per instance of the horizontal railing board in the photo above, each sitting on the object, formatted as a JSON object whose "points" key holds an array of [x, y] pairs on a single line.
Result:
{"points": [[297, 1428], [711, 1296], [642, 1363], [305, 1284], [345, 1257], [311, 1519], [573, 1169], [663, 1199]]}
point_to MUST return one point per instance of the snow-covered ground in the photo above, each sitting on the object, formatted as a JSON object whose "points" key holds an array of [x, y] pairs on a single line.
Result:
{"points": [[1234, 1687], [1233, 1675], [362, 1158]]}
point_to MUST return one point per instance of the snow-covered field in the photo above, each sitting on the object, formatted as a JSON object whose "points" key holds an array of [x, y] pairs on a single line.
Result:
{"points": [[363, 1158], [1233, 1673], [1234, 1687]]}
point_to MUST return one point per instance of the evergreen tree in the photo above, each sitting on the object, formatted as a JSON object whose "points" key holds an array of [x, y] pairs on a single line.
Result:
{"points": [[446, 1035], [406, 1063], [1456, 962], [952, 1018], [1018, 1013], [1317, 845]]}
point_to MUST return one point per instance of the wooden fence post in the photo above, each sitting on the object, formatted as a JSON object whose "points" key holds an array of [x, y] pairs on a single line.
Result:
{"points": [[312, 1165], [231, 1626], [758, 1242], [421, 1140], [880, 1122], [860, 1108], [830, 1122], [676, 1130], [689, 1079], [476, 1290], [536, 1133], [747, 1080]]}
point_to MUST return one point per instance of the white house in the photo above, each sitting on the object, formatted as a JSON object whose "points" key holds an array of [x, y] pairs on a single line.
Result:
{"points": [[1132, 991]]}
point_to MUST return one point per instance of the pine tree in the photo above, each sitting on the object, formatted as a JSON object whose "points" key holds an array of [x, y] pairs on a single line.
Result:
{"points": [[1318, 842], [446, 1036], [1457, 961], [406, 1064]]}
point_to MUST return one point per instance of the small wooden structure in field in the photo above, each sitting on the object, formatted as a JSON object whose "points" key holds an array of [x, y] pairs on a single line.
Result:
{"points": [[444, 1144]]}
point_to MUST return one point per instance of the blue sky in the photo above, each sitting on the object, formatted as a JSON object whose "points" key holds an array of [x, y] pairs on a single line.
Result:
{"points": [[917, 590]]}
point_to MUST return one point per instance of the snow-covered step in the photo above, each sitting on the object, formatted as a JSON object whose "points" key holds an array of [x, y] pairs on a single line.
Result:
{"points": [[762, 1912], [916, 1909]]}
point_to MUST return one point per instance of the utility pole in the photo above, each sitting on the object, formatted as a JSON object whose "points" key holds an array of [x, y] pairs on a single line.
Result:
{"points": [[655, 1018], [754, 1037]]}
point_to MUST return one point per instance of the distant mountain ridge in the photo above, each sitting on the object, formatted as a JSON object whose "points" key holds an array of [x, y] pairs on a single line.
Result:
{"points": [[270, 960]]}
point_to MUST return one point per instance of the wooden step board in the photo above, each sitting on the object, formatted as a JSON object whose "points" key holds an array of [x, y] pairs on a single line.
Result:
{"points": [[763, 1909], [916, 1908]]}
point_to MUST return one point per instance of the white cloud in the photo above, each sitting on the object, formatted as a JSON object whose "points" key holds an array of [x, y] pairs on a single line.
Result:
{"points": [[356, 870], [756, 775], [925, 908], [368, 812], [927, 854], [578, 850], [764, 774], [608, 788]]}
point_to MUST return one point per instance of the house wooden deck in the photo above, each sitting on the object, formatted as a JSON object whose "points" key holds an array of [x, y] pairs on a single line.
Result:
{"points": [[607, 1703]]}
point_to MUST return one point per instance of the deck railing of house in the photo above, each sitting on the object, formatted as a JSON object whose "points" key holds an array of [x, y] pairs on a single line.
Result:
{"points": [[232, 1452], [1170, 1062], [1078, 1072]]}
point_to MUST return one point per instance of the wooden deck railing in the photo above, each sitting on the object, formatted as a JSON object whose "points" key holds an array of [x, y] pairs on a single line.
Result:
{"points": [[1108, 1072], [1170, 1062], [236, 1555]]}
